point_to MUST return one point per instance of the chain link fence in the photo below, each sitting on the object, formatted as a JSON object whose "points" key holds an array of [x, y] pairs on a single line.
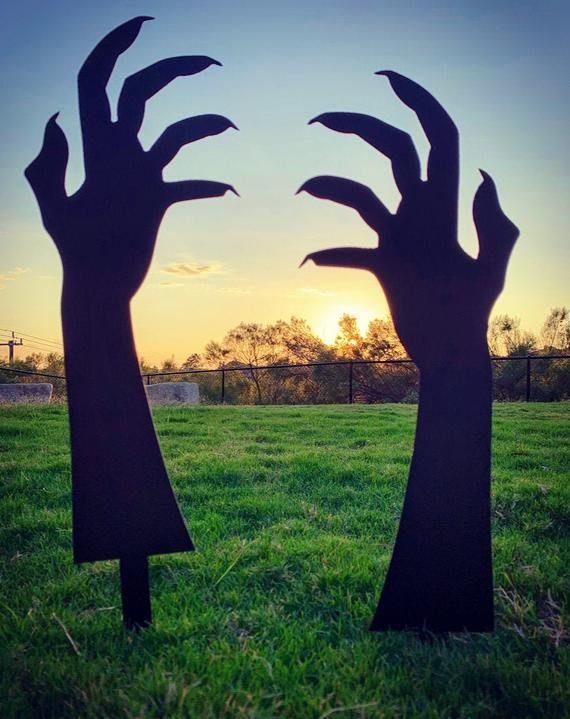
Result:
{"points": [[527, 378]]}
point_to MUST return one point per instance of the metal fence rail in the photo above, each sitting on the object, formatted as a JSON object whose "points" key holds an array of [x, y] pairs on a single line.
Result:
{"points": [[349, 364], [30, 372], [251, 368]]}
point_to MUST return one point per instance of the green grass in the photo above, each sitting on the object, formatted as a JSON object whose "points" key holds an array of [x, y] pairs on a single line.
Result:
{"points": [[294, 513]]}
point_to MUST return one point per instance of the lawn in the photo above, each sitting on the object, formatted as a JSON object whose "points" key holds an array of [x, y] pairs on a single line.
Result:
{"points": [[294, 512]]}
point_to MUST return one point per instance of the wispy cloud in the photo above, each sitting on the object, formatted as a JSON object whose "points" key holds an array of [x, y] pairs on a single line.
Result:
{"points": [[11, 275], [170, 284], [191, 269], [317, 293], [233, 291]]}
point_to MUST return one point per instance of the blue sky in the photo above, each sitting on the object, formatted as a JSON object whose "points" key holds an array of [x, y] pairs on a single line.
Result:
{"points": [[500, 69]]}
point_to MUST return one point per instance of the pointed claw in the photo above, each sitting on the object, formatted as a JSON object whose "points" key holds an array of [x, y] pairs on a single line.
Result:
{"points": [[436, 122], [491, 222], [141, 86], [351, 194], [46, 174], [392, 142], [195, 190], [357, 258], [97, 68], [184, 132], [497, 234], [94, 109], [440, 130]]}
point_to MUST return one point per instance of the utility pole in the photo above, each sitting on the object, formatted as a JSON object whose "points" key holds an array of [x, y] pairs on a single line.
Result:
{"points": [[13, 342]]}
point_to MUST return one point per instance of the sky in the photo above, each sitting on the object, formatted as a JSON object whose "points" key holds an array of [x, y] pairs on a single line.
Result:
{"points": [[499, 68]]}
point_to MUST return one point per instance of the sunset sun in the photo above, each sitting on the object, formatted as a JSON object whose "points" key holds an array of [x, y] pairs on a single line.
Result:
{"points": [[326, 324]]}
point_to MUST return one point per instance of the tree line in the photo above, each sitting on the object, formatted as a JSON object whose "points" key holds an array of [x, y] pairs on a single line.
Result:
{"points": [[250, 345]]}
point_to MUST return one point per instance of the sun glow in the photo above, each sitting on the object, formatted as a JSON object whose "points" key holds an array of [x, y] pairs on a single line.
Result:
{"points": [[326, 324]]}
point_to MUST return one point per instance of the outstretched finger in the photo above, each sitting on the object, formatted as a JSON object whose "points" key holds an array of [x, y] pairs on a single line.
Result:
{"points": [[46, 174], [352, 194], [195, 190], [184, 132], [497, 234], [396, 144], [141, 86], [357, 258], [440, 130], [95, 113]]}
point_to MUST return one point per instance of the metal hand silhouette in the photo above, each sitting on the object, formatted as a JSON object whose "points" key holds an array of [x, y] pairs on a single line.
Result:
{"points": [[440, 299], [439, 296], [123, 505], [106, 231]]}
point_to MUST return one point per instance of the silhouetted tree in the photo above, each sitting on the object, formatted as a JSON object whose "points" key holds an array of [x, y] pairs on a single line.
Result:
{"points": [[555, 333]]}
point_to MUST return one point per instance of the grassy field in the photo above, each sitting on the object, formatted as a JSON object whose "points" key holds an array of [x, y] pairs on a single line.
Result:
{"points": [[294, 513]]}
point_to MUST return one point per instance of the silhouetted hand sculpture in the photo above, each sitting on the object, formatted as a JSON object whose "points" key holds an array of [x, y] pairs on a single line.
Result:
{"points": [[440, 577], [123, 504], [106, 231]]}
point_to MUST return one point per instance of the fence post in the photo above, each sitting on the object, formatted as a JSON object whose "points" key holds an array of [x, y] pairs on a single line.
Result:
{"points": [[528, 378], [223, 386], [350, 399], [148, 379]]}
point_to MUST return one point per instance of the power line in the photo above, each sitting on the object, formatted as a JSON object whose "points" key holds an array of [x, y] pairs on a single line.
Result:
{"points": [[39, 339], [25, 345], [42, 340], [44, 345], [35, 337], [12, 342], [19, 339], [35, 343], [48, 343]]}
